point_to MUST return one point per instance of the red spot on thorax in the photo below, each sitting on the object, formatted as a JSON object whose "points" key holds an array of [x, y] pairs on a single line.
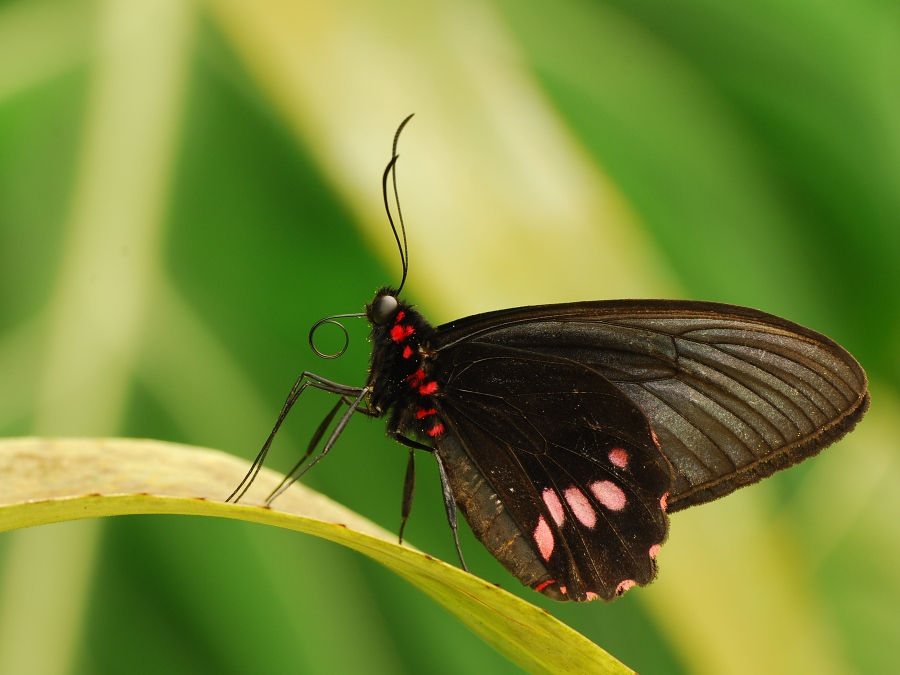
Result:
{"points": [[400, 333], [421, 412], [416, 378], [399, 316], [427, 389], [436, 430], [407, 352]]}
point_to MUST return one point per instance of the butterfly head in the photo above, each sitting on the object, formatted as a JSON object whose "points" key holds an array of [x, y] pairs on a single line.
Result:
{"points": [[383, 308], [395, 321]]}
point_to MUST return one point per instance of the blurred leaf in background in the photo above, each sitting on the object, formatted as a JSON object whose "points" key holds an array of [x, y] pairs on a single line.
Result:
{"points": [[186, 187]]}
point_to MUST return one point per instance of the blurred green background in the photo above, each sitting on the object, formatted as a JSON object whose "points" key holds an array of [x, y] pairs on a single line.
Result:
{"points": [[186, 187]]}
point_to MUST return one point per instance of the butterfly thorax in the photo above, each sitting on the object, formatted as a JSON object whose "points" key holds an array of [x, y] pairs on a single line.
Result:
{"points": [[400, 370]]}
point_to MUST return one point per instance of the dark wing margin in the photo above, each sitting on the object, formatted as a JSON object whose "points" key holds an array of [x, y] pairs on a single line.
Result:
{"points": [[733, 394], [570, 457]]}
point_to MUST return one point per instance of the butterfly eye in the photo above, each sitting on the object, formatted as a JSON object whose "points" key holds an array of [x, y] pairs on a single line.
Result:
{"points": [[383, 308]]}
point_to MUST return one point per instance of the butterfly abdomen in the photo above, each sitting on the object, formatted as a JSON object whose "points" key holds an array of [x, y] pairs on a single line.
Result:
{"points": [[490, 521]]}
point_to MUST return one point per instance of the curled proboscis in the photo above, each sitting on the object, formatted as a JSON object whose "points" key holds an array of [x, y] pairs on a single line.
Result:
{"points": [[331, 320]]}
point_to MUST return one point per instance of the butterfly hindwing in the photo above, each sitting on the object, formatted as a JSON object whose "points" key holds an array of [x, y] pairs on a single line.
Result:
{"points": [[732, 393], [571, 458]]}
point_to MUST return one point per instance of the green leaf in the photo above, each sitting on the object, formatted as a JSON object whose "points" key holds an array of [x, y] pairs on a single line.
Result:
{"points": [[54, 480]]}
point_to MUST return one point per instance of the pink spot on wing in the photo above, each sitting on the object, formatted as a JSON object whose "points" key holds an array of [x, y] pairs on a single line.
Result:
{"points": [[618, 457], [543, 537], [655, 439], [624, 586], [554, 506], [592, 596], [562, 589], [664, 502], [609, 494], [429, 388], [654, 550], [581, 507]]}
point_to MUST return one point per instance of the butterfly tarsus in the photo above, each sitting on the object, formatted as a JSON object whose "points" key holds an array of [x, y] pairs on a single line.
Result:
{"points": [[332, 439], [305, 380], [314, 442], [449, 501]]}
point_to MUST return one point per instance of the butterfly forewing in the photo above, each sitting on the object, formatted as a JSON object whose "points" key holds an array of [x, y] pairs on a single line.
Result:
{"points": [[733, 394], [571, 458]]}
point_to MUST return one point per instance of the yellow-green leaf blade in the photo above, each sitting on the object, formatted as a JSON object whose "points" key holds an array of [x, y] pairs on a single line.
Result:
{"points": [[53, 480]]}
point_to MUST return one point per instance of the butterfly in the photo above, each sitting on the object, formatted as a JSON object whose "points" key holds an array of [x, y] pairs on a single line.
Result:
{"points": [[567, 433]]}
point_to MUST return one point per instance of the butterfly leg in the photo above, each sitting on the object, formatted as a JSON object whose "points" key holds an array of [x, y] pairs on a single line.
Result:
{"points": [[317, 436], [449, 501], [307, 379], [409, 482], [332, 439], [450, 506], [409, 488]]}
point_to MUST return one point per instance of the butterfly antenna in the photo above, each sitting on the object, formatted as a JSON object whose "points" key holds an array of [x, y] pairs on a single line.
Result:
{"points": [[399, 237]]}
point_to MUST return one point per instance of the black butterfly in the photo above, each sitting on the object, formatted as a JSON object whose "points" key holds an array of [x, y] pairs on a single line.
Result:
{"points": [[567, 433]]}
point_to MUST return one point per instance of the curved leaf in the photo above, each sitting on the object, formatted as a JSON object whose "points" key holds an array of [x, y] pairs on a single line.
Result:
{"points": [[52, 480]]}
